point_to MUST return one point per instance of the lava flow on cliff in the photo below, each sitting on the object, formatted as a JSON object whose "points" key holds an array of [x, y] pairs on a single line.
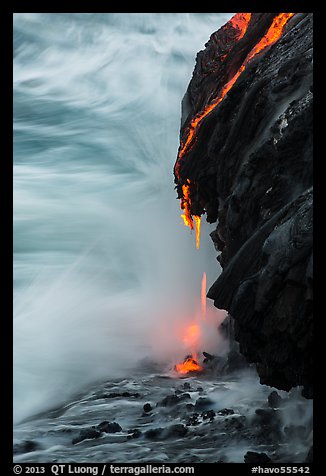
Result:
{"points": [[233, 33]]}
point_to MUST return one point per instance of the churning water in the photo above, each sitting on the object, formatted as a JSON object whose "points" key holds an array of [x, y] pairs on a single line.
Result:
{"points": [[101, 258]]}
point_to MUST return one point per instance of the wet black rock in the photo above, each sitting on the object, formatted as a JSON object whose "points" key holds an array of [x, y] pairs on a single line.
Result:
{"points": [[208, 357], [184, 397], [171, 400], [178, 430], [134, 433], [147, 408], [310, 456], [202, 403], [154, 433], [250, 170], [274, 399], [192, 420], [26, 446], [267, 426], [208, 415], [87, 434], [235, 360], [267, 416], [252, 457], [226, 411], [108, 427], [121, 395], [237, 423]]}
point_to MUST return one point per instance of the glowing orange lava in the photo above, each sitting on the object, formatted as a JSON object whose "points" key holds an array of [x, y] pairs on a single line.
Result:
{"points": [[186, 216], [203, 296], [189, 365], [186, 205], [191, 340], [273, 34], [192, 337], [197, 221], [240, 21]]}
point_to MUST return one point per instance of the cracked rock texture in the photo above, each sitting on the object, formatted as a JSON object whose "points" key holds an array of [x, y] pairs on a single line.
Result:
{"points": [[251, 172]]}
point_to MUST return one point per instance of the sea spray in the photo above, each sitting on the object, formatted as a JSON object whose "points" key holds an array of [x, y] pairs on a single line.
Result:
{"points": [[101, 259]]}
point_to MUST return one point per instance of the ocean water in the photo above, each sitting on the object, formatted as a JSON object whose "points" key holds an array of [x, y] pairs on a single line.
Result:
{"points": [[225, 438], [103, 266]]}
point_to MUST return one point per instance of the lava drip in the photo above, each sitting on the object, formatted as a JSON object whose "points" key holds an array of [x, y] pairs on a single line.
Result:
{"points": [[188, 218], [240, 23]]}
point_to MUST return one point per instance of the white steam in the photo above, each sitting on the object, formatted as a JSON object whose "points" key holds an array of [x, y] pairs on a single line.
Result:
{"points": [[102, 260]]}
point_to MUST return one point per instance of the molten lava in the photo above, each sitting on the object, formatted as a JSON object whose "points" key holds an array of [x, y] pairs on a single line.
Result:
{"points": [[186, 206], [273, 34], [240, 22], [190, 364], [186, 216], [197, 221], [192, 339]]}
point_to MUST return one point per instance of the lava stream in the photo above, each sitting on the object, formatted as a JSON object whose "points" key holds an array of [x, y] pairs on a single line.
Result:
{"points": [[273, 34], [240, 21]]}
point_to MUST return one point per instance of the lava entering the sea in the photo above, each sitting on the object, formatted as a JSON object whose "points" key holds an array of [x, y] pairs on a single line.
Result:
{"points": [[192, 338], [190, 364]]}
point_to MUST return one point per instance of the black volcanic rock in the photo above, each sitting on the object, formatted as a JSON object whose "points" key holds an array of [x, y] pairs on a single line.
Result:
{"points": [[202, 403], [274, 399], [120, 395], [252, 457], [310, 456], [154, 433], [133, 433], [147, 407], [250, 170], [192, 420], [171, 400], [177, 430], [208, 415], [26, 446], [226, 411], [87, 434], [108, 427]]}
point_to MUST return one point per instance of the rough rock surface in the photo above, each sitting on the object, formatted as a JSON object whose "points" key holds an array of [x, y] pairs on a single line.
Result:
{"points": [[250, 170]]}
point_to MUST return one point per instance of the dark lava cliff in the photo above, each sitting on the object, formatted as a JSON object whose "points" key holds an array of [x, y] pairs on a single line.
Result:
{"points": [[249, 169]]}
